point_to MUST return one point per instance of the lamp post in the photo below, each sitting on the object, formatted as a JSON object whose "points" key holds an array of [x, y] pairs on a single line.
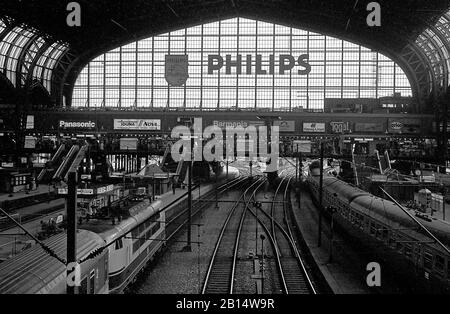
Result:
{"points": [[72, 225], [320, 195], [332, 211], [262, 267], [216, 166], [257, 206]]}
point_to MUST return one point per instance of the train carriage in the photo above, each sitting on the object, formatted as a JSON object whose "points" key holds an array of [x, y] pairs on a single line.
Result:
{"points": [[136, 239], [33, 271], [381, 226]]}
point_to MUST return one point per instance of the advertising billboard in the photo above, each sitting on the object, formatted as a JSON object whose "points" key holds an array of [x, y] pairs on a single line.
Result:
{"points": [[314, 127], [404, 125], [285, 125], [369, 127], [340, 127], [65, 124], [137, 124]]}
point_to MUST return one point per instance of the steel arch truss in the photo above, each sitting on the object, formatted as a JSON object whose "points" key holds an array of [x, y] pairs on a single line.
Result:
{"points": [[429, 58], [28, 57]]}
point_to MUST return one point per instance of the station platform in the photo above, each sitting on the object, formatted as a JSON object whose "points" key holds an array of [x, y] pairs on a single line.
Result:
{"points": [[340, 275], [346, 273], [13, 240], [41, 189]]}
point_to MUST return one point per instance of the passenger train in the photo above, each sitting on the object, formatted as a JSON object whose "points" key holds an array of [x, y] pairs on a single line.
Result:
{"points": [[389, 232], [124, 248]]}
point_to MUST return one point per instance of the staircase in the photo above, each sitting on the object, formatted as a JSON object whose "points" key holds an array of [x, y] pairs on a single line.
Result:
{"points": [[66, 162]]}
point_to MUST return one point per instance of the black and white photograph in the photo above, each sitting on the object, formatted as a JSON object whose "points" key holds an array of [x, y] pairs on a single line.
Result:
{"points": [[225, 155]]}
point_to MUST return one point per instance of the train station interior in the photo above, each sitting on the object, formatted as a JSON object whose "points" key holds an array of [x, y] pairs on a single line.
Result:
{"points": [[225, 147]]}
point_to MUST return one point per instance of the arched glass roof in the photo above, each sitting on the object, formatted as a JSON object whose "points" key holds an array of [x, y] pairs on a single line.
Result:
{"points": [[435, 43], [133, 75], [19, 48]]}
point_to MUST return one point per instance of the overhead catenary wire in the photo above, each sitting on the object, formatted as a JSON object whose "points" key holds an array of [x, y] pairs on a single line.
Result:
{"points": [[46, 248], [416, 221]]}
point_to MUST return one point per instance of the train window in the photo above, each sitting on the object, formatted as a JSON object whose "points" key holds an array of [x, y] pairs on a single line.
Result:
{"points": [[399, 246], [156, 217], [119, 244], [385, 233], [149, 234], [379, 234], [135, 233], [92, 282], [391, 241], [83, 287], [448, 269], [427, 260], [156, 227], [361, 222], [141, 228], [408, 250], [439, 263], [373, 229], [136, 246], [352, 217], [142, 238]]}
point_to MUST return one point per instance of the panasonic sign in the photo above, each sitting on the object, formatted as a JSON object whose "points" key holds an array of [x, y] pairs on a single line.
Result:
{"points": [[76, 124]]}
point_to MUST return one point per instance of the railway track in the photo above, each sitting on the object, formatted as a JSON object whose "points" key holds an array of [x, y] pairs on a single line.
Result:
{"points": [[181, 219], [293, 276], [221, 271]]}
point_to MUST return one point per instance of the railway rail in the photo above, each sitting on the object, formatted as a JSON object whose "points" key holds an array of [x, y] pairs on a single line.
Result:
{"points": [[220, 275], [293, 275]]}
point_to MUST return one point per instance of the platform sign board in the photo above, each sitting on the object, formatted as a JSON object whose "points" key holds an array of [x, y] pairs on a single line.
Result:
{"points": [[128, 143], [30, 122], [104, 189], [314, 127], [302, 146], [137, 124], [79, 191], [30, 141]]}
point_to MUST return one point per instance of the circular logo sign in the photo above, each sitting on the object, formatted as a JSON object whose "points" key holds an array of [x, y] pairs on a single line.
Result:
{"points": [[396, 125]]}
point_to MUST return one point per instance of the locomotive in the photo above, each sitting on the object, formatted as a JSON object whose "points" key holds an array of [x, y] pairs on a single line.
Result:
{"points": [[123, 248], [389, 232]]}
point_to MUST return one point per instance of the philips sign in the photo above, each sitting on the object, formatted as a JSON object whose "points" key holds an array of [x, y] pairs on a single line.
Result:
{"points": [[76, 124], [246, 64]]}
